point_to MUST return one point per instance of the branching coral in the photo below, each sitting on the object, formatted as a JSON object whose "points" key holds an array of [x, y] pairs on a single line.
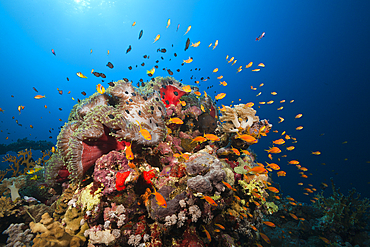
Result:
{"points": [[23, 162]]}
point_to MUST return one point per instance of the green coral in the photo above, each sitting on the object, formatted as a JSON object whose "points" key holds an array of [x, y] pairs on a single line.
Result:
{"points": [[343, 212], [244, 165], [271, 207], [253, 184]]}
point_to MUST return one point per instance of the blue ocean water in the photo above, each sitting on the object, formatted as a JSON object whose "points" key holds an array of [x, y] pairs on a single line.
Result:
{"points": [[315, 52]]}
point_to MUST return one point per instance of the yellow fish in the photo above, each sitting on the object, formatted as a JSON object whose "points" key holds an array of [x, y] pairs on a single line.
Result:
{"points": [[261, 65], [216, 43], [220, 96], [196, 44], [274, 93], [157, 38], [189, 60], [291, 101], [234, 62], [223, 83], [239, 69], [261, 84], [220, 77], [256, 70], [202, 108], [231, 59], [187, 89], [280, 108], [151, 71], [210, 45], [215, 70], [316, 153], [282, 101], [227, 57], [270, 102], [299, 128], [133, 24], [34, 177], [187, 30], [168, 23], [290, 148], [249, 65], [79, 74], [298, 116]]}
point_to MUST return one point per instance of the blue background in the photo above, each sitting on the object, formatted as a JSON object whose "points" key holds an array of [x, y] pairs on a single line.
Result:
{"points": [[315, 52]]}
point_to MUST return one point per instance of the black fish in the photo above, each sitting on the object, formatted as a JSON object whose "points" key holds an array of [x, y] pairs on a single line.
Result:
{"points": [[175, 54], [103, 75], [141, 34], [156, 66], [170, 72], [110, 65], [163, 50], [97, 74], [130, 67], [145, 56], [83, 93], [111, 83], [67, 79], [35, 89], [143, 64], [60, 109], [187, 44], [128, 49]]}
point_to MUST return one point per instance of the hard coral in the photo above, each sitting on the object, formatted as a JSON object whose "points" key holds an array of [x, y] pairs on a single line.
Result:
{"points": [[52, 233], [209, 171]]}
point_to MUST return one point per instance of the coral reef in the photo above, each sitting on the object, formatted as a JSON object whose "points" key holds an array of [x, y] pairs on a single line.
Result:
{"points": [[152, 166], [24, 143]]}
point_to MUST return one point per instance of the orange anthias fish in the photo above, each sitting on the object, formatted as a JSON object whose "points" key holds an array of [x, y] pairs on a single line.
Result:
{"points": [[39, 96], [274, 150], [228, 186], [258, 169], [223, 83], [199, 139], [160, 199], [273, 189], [209, 200], [281, 174], [236, 151], [256, 70], [316, 153], [220, 96], [247, 138], [294, 162], [212, 137], [299, 116], [133, 24], [290, 148], [279, 141], [129, 154], [207, 233], [176, 120], [144, 132], [293, 216], [264, 237], [269, 223]]}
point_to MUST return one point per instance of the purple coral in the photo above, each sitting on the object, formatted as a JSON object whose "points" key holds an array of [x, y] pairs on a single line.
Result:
{"points": [[107, 167]]}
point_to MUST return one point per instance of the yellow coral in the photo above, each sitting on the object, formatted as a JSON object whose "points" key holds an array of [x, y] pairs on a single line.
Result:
{"points": [[88, 200]]}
